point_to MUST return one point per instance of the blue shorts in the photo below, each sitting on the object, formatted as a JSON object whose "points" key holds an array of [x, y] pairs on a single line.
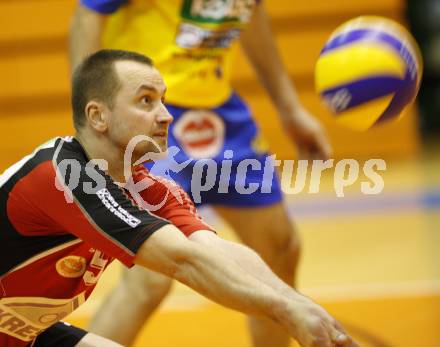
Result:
{"points": [[217, 156]]}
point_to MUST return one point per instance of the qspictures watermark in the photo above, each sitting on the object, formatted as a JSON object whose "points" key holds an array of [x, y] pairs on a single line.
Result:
{"points": [[225, 175]]}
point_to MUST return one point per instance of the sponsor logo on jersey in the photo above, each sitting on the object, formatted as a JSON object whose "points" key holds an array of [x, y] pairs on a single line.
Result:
{"points": [[217, 11], [72, 266], [212, 23], [97, 266], [200, 133], [111, 204], [192, 36], [19, 328], [25, 317]]}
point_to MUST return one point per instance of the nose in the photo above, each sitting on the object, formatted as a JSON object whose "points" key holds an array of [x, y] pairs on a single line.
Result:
{"points": [[164, 116]]}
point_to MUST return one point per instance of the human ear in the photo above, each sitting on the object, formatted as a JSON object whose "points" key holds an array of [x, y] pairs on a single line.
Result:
{"points": [[96, 116]]}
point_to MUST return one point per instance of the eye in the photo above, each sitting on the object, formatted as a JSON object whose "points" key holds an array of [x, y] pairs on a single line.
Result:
{"points": [[146, 99]]}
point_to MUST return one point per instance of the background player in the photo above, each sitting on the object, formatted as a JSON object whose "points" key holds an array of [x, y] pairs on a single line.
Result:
{"points": [[190, 42], [87, 218]]}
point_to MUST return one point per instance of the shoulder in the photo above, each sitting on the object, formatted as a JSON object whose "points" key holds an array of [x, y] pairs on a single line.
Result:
{"points": [[36, 167]]}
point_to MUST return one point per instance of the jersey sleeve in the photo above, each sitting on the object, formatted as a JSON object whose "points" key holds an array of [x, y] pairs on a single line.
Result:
{"points": [[83, 201], [103, 6], [169, 201]]}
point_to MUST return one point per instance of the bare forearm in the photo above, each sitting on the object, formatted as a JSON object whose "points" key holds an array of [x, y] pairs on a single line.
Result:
{"points": [[85, 34], [221, 279], [257, 40], [209, 272], [245, 258], [254, 265]]}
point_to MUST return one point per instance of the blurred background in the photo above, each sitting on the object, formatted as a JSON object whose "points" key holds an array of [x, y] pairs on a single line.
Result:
{"points": [[373, 261]]}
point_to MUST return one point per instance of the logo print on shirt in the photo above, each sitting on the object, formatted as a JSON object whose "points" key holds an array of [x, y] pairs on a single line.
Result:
{"points": [[201, 133], [97, 266], [212, 23], [217, 11], [72, 266], [111, 204], [25, 317]]}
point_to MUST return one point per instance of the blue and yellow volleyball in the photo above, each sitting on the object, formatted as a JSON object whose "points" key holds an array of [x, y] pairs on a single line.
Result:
{"points": [[368, 72]]}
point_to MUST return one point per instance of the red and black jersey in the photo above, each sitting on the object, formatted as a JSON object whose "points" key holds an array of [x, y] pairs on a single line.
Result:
{"points": [[62, 220]]}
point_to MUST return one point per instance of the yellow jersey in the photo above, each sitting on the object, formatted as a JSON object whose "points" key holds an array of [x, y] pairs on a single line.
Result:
{"points": [[190, 42]]}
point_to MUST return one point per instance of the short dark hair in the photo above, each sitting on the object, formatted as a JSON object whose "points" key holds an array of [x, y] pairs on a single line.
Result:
{"points": [[96, 78]]}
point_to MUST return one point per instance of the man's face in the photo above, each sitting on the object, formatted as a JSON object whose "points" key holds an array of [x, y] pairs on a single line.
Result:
{"points": [[138, 108]]}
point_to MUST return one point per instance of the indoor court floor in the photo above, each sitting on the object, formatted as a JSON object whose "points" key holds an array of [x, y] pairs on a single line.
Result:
{"points": [[372, 261]]}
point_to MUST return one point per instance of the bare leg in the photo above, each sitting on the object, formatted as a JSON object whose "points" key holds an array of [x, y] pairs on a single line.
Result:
{"points": [[130, 304], [270, 233]]}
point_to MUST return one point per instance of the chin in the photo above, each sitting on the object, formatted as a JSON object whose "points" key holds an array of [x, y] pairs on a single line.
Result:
{"points": [[161, 145], [161, 151]]}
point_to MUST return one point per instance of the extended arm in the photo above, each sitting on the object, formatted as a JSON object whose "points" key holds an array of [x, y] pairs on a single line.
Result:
{"points": [[260, 47], [214, 272], [85, 33], [246, 258], [168, 251]]}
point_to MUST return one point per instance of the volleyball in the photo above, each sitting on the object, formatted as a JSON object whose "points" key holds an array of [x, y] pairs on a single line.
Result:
{"points": [[368, 71]]}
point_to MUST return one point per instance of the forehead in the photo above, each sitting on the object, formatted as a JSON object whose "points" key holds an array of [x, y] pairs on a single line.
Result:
{"points": [[132, 75]]}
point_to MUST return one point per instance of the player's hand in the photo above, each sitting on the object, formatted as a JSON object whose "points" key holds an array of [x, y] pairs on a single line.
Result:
{"points": [[312, 326], [308, 135]]}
